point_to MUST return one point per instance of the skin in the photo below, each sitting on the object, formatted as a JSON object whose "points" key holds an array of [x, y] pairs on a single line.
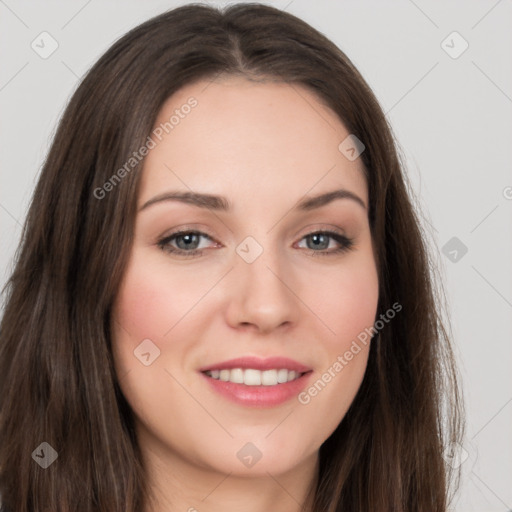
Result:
{"points": [[263, 146]]}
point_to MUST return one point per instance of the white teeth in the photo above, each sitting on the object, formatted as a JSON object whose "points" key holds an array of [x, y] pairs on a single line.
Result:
{"points": [[252, 377], [292, 375], [282, 376], [269, 377], [237, 376]]}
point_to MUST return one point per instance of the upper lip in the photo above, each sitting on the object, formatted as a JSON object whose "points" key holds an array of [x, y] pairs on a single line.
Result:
{"points": [[257, 363]]}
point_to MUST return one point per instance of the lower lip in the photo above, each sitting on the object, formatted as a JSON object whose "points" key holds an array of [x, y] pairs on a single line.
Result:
{"points": [[259, 396]]}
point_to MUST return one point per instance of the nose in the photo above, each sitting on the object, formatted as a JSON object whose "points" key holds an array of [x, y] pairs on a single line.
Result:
{"points": [[261, 295]]}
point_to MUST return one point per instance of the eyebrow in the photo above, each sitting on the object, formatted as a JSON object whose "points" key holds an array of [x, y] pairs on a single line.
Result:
{"points": [[220, 203]]}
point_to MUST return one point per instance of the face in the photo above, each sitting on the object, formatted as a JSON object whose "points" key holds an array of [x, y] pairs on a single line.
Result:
{"points": [[239, 306]]}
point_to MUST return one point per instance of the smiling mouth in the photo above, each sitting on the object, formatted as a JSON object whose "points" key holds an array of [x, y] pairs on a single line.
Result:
{"points": [[253, 377]]}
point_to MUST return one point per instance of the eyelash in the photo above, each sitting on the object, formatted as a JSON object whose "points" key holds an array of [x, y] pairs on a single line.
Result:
{"points": [[346, 243]]}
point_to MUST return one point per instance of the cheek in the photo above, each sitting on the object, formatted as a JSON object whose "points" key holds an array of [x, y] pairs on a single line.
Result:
{"points": [[345, 300], [357, 303], [151, 302]]}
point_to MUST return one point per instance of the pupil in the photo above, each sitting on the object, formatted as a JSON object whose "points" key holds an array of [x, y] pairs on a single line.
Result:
{"points": [[188, 241], [316, 238]]}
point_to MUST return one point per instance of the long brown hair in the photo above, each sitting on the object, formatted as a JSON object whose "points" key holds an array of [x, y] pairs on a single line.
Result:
{"points": [[57, 378]]}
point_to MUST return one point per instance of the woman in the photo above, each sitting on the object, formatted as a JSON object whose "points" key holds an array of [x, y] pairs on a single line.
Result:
{"points": [[171, 341]]}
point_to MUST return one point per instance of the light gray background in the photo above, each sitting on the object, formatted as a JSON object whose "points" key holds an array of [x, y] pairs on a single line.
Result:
{"points": [[452, 118]]}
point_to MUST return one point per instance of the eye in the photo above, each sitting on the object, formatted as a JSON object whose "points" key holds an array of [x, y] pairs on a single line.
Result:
{"points": [[319, 241], [187, 243]]}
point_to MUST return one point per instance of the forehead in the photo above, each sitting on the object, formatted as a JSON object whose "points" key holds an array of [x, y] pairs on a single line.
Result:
{"points": [[249, 139]]}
